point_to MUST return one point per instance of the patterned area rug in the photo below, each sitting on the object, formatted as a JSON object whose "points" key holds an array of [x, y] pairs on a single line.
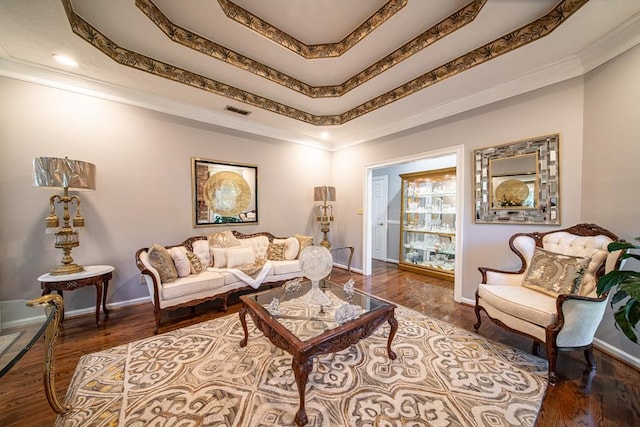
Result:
{"points": [[200, 376]]}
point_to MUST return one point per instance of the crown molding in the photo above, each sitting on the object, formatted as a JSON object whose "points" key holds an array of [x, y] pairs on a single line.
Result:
{"points": [[44, 76], [623, 38]]}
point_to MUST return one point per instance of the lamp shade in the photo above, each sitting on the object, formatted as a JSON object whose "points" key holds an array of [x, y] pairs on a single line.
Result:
{"points": [[54, 172], [324, 194]]}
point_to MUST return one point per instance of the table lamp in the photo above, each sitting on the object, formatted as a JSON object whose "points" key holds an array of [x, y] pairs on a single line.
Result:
{"points": [[54, 173], [324, 215]]}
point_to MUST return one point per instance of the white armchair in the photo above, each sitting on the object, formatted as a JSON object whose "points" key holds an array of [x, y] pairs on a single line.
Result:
{"points": [[561, 320]]}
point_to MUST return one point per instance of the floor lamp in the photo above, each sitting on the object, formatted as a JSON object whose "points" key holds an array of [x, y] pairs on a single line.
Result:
{"points": [[324, 215], [56, 173]]}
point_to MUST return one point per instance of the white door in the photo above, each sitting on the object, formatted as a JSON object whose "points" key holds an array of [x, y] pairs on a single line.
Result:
{"points": [[379, 193]]}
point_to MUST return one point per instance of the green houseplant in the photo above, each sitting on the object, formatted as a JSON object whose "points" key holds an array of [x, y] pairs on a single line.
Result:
{"points": [[626, 299]]}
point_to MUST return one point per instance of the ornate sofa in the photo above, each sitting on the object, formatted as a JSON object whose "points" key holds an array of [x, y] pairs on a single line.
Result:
{"points": [[552, 297], [221, 272]]}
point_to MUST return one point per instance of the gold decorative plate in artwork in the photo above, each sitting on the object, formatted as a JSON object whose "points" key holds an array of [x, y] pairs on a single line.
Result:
{"points": [[227, 193]]}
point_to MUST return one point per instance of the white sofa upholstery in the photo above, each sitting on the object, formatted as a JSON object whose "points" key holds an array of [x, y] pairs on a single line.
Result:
{"points": [[211, 283], [564, 322]]}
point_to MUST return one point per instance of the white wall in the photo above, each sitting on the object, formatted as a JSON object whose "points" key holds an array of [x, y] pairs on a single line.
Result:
{"points": [[143, 195], [611, 155], [556, 109]]}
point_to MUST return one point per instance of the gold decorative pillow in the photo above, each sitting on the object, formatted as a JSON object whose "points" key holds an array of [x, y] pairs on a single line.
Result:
{"points": [[275, 252], [161, 260], [224, 239], [194, 261], [305, 241], [554, 274]]}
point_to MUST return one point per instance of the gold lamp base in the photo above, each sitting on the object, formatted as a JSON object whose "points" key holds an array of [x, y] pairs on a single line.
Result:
{"points": [[63, 269]]}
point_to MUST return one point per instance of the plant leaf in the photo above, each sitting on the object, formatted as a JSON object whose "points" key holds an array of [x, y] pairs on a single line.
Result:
{"points": [[619, 296], [631, 287], [630, 255], [616, 246], [632, 312], [612, 279], [624, 325]]}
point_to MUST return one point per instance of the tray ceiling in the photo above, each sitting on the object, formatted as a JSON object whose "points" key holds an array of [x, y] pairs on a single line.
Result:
{"points": [[326, 73]]}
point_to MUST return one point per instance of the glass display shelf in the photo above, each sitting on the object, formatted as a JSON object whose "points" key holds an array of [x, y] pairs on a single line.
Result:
{"points": [[428, 218]]}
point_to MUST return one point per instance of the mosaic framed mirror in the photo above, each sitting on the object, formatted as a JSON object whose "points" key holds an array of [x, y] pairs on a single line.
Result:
{"points": [[518, 182]]}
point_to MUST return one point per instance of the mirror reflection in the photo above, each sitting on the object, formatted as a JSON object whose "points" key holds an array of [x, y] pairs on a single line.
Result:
{"points": [[513, 182], [518, 182]]}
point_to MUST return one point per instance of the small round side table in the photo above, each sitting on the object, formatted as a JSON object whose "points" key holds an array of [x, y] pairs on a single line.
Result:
{"points": [[94, 275]]}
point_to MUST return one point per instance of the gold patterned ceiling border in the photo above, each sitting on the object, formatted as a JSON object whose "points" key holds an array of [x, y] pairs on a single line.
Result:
{"points": [[326, 50], [507, 43], [522, 36], [187, 38]]}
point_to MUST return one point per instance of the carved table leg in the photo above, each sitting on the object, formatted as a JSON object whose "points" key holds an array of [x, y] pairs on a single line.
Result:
{"points": [[105, 283], [301, 372], [51, 338], [98, 301], [243, 321], [392, 333]]}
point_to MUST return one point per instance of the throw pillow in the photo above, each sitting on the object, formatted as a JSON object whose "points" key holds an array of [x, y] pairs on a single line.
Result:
{"points": [[240, 255], [201, 249], [291, 247], [553, 274], [224, 239], [276, 251], [219, 257], [194, 261], [179, 256], [161, 260], [305, 241]]}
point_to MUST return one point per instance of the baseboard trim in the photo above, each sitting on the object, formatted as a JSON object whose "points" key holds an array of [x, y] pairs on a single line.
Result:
{"points": [[92, 310], [616, 353]]}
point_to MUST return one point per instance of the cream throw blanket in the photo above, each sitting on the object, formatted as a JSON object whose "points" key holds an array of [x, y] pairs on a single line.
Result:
{"points": [[252, 279]]}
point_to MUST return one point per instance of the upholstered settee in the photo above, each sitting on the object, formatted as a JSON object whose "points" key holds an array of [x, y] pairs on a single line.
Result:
{"points": [[552, 297], [204, 268]]}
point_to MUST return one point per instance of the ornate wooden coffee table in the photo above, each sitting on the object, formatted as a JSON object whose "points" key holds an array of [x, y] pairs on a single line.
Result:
{"points": [[305, 330]]}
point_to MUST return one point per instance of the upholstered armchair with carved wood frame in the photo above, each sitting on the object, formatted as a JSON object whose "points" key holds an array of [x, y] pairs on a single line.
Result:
{"points": [[562, 322]]}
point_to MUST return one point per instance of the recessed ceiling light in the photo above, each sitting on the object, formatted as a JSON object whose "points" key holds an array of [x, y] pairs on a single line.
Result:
{"points": [[324, 135], [65, 60]]}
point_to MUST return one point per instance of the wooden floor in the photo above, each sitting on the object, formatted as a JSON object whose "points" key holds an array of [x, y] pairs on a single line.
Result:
{"points": [[614, 399]]}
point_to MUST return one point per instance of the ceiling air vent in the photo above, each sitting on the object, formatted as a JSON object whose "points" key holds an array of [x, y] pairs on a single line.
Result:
{"points": [[237, 110]]}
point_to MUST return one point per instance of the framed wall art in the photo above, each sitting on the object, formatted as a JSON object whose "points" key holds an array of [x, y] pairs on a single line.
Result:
{"points": [[518, 182], [223, 193]]}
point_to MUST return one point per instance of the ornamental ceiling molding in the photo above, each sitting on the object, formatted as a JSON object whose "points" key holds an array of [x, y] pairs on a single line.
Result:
{"points": [[524, 35], [326, 50], [184, 37]]}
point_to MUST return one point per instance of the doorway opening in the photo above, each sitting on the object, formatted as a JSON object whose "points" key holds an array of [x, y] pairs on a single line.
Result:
{"points": [[382, 206]]}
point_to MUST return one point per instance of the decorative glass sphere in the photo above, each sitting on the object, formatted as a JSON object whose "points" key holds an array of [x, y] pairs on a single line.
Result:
{"points": [[316, 262]]}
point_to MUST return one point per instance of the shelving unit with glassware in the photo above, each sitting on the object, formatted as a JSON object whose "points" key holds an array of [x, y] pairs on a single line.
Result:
{"points": [[427, 222]]}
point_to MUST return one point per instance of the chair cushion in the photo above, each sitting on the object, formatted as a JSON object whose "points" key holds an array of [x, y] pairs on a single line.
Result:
{"points": [[192, 284], [285, 267], [554, 274], [520, 302]]}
